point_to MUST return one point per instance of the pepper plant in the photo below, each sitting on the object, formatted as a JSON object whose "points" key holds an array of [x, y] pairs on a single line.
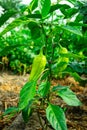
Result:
{"points": [[47, 23], [36, 95]]}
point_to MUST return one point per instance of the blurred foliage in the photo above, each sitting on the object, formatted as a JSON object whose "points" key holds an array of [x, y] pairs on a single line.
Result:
{"points": [[10, 4], [61, 24]]}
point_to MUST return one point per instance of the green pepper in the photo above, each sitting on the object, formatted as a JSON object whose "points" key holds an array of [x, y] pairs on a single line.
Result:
{"points": [[38, 66]]}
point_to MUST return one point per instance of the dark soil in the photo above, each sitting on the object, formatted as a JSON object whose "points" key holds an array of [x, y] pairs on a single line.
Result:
{"points": [[10, 86]]}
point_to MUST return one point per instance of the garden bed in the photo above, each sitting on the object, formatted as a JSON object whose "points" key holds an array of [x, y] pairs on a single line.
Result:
{"points": [[10, 86]]}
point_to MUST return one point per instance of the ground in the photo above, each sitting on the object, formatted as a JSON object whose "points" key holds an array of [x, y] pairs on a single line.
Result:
{"points": [[10, 86]]}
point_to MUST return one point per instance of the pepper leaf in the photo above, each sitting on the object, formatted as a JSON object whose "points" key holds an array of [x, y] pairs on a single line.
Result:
{"points": [[43, 89], [44, 6], [69, 97], [26, 94], [56, 117]]}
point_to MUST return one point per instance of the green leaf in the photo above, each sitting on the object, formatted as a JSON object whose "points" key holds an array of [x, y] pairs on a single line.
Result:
{"points": [[72, 1], [33, 4], [15, 23], [44, 88], [26, 94], [76, 76], [79, 18], [19, 21], [45, 75], [58, 87], [77, 24], [58, 6], [71, 29], [69, 97], [44, 6], [56, 117], [6, 16], [35, 29], [77, 67], [26, 112], [69, 12], [10, 110]]}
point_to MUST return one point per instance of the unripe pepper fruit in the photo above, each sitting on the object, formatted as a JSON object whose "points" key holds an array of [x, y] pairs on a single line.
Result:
{"points": [[62, 62], [63, 59], [63, 50], [38, 66]]}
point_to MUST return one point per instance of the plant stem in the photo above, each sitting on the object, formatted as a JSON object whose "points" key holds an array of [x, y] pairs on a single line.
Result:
{"points": [[40, 120], [46, 126]]}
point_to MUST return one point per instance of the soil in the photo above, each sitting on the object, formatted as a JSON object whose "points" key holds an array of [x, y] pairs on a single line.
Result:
{"points": [[10, 86]]}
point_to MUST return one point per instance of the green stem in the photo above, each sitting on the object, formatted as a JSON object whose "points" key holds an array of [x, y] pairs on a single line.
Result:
{"points": [[49, 78]]}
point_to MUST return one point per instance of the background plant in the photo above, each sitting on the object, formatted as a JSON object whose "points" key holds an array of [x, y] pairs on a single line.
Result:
{"points": [[61, 23]]}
